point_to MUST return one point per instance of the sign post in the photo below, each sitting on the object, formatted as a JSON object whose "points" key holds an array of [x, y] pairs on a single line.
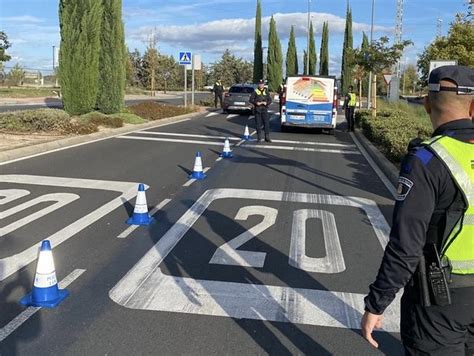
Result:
{"points": [[185, 58]]}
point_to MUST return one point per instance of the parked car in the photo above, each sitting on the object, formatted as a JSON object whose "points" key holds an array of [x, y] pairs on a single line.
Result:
{"points": [[237, 98]]}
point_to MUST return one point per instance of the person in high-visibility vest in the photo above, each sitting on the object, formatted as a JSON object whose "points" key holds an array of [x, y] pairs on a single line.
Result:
{"points": [[430, 252], [218, 91], [261, 100], [350, 102]]}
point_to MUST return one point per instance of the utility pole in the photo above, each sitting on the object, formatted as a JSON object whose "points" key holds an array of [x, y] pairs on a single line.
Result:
{"points": [[309, 22], [369, 94], [399, 32], [152, 57]]}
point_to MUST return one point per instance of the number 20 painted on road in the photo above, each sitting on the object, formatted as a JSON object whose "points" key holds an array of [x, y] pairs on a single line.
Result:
{"points": [[333, 262]]}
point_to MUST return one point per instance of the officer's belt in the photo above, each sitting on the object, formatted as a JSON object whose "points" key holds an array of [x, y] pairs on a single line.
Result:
{"points": [[461, 281]]}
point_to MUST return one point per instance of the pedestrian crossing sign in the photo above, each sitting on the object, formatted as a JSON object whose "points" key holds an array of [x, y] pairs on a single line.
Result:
{"points": [[185, 57]]}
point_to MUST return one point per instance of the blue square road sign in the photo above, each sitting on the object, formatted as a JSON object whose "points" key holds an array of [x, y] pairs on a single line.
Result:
{"points": [[185, 57]]}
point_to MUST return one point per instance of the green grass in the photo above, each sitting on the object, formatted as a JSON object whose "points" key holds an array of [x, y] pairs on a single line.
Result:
{"points": [[25, 92], [129, 118]]}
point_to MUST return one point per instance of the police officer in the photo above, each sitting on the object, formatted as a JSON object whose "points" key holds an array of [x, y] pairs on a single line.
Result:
{"points": [[281, 93], [218, 90], [261, 100], [349, 108], [433, 229]]}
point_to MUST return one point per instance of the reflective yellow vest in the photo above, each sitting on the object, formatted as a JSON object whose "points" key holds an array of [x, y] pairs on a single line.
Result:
{"points": [[352, 101], [458, 157], [260, 92]]}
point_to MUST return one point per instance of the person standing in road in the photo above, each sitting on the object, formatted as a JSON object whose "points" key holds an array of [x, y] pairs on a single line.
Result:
{"points": [[349, 108], [281, 93], [431, 248], [261, 100], [218, 91]]}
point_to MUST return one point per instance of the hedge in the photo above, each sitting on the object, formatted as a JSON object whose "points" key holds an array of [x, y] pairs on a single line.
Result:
{"points": [[392, 130]]}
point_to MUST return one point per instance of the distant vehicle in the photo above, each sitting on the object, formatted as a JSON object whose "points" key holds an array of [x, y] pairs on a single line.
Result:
{"points": [[310, 101], [237, 98]]}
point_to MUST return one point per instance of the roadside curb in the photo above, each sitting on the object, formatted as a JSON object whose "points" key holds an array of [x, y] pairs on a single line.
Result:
{"points": [[384, 164], [21, 152]]}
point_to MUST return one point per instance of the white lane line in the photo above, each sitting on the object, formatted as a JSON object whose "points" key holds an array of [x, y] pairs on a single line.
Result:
{"points": [[30, 311], [83, 143], [231, 116], [374, 166], [314, 143], [212, 114], [192, 180], [219, 159], [208, 143], [189, 135], [304, 149], [153, 211]]}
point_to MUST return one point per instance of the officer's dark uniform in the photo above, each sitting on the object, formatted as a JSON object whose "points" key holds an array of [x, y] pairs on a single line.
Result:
{"points": [[428, 206], [261, 111], [218, 92], [349, 108], [281, 92]]}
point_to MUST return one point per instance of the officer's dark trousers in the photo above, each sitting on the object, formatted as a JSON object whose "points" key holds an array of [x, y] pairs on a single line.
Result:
{"points": [[437, 330], [262, 119], [350, 118], [217, 97]]}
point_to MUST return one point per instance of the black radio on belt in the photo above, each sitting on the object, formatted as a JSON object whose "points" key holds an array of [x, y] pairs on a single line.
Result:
{"points": [[437, 274]]}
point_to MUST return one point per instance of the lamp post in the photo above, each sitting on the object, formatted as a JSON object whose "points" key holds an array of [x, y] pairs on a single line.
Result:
{"points": [[369, 94], [307, 53], [264, 63]]}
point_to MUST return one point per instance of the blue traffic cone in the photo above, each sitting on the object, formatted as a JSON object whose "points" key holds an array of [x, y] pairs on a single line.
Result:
{"points": [[246, 135], [227, 152], [140, 212], [45, 291], [198, 173]]}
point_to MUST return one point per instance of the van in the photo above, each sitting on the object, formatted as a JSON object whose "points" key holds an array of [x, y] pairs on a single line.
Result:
{"points": [[310, 101]]}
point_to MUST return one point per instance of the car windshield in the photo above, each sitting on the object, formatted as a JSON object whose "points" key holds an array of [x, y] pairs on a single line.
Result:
{"points": [[242, 90]]}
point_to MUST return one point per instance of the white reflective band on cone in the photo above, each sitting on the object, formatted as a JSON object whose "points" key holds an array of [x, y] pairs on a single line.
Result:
{"points": [[198, 164], [141, 205], [226, 146], [246, 132], [45, 272]]}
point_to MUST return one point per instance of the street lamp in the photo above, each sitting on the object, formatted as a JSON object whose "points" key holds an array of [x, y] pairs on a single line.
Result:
{"points": [[369, 94], [264, 63], [307, 53]]}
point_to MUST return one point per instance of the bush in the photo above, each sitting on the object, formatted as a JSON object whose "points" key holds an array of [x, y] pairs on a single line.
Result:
{"points": [[392, 130], [151, 110], [99, 119], [130, 118]]}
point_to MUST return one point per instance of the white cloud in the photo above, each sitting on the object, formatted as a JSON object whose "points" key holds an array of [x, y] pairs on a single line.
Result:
{"points": [[213, 36], [22, 19]]}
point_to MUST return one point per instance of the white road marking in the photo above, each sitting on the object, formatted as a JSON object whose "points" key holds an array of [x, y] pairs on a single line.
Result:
{"points": [[30, 311], [153, 211], [230, 116], [189, 135], [146, 287], [84, 143], [333, 262], [314, 143], [192, 180], [208, 143], [375, 167], [60, 199], [10, 195], [212, 114], [304, 149], [227, 253], [128, 190]]}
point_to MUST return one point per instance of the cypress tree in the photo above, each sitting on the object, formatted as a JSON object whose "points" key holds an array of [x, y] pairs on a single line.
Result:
{"points": [[305, 62], [258, 51], [80, 22], [347, 60], [313, 57], [275, 58], [292, 55], [324, 54], [112, 59]]}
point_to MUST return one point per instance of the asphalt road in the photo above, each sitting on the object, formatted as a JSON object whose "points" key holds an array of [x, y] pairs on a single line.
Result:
{"points": [[53, 104], [271, 253]]}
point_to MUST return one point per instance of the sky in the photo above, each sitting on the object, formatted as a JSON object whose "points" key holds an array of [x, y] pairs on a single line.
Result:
{"points": [[208, 27]]}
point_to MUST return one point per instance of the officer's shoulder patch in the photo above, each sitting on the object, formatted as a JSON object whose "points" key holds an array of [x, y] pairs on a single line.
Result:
{"points": [[403, 189], [424, 155]]}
